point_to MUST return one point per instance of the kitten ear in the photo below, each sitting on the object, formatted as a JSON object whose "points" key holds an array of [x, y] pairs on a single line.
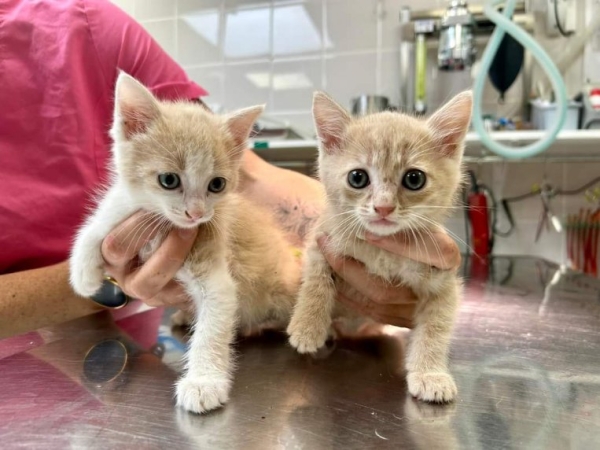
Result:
{"points": [[451, 123], [135, 107], [239, 123], [331, 121]]}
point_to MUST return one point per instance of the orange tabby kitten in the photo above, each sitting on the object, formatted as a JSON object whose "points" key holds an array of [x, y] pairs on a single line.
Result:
{"points": [[181, 164], [386, 173]]}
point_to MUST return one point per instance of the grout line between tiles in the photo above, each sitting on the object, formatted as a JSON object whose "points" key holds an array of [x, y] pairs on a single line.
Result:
{"points": [[161, 19], [324, 37], [379, 45], [176, 56], [271, 103]]}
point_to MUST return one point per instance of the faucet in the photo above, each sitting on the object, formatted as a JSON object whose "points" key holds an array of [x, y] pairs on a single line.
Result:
{"points": [[456, 48]]}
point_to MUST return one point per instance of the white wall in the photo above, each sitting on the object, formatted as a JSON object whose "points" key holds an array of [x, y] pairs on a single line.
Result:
{"points": [[279, 51]]}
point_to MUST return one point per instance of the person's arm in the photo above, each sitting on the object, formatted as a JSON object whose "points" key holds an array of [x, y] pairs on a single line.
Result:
{"points": [[123, 44], [40, 297], [295, 200]]}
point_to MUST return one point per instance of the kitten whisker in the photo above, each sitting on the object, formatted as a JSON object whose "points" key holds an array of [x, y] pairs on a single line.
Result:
{"points": [[151, 225], [437, 247], [146, 219], [450, 233]]}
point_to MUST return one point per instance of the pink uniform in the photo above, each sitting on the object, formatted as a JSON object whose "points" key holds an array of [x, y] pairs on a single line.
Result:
{"points": [[59, 60]]}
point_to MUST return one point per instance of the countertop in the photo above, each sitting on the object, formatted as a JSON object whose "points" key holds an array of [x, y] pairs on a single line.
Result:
{"points": [[525, 355], [569, 146]]}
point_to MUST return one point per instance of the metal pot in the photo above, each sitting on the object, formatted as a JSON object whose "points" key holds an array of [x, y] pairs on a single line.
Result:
{"points": [[369, 104]]}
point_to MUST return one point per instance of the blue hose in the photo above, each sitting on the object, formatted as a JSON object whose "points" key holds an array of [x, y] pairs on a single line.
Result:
{"points": [[505, 25]]}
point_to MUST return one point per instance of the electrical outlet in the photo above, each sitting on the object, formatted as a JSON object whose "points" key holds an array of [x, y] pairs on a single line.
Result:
{"points": [[566, 14]]}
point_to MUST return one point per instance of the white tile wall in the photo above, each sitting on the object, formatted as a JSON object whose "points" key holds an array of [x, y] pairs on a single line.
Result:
{"points": [[356, 41], [154, 9], [346, 78], [201, 31], [298, 29], [279, 51], [164, 31], [352, 25], [247, 33], [304, 75], [247, 84]]}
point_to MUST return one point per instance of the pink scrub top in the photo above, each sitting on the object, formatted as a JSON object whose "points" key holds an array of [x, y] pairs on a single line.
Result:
{"points": [[59, 60]]}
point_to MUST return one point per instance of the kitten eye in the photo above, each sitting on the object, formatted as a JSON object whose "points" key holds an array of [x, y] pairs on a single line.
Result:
{"points": [[216, 185], [414, 179], [169, 180], [358, 179]]}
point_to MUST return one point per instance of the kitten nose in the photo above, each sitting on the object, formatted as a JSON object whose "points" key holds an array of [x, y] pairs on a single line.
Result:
{"points": [[194, 214], [384, 211]]}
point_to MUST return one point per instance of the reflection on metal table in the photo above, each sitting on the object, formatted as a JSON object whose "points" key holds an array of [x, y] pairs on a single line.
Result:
{"points": [[525, 354]]}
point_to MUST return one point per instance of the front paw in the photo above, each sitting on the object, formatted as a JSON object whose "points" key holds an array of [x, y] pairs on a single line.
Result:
{"points": [[307, 338], [86, 279], [202, 394], [436, 387]]}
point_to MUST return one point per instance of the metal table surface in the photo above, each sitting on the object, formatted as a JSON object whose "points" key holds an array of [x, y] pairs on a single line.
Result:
{"points": [[525, 354]]}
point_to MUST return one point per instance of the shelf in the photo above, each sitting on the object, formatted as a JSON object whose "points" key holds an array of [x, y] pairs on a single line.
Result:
{"points": [[575, 145]]}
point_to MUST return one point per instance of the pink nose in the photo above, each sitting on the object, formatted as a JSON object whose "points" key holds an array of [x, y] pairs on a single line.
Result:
{"points": [[384, 211], [194, 214]]}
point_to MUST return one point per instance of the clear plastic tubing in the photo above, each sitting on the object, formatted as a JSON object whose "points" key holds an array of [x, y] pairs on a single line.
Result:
{"points": [[504, 25]]}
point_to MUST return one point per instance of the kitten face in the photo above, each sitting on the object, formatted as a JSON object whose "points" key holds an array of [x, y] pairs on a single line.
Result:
{"points": [[388, 172], [178, 159]]}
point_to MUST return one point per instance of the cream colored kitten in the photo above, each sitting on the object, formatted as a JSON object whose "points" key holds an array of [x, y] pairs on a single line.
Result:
{"points": [[386, 173], [180, 163]]}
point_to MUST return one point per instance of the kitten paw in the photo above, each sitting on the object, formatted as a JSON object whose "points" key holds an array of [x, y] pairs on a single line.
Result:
{"points": [[87, 281], [309, 339], [202, 394], [182, 319], [435, 387]]}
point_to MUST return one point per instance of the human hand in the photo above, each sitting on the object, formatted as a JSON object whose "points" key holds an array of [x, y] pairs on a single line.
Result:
{"points": [[376, 298], [153, 281], [434, 247], [370, 295]]}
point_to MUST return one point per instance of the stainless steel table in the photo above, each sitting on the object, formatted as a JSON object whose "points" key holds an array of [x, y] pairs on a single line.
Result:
{"points": [[526, 356]]}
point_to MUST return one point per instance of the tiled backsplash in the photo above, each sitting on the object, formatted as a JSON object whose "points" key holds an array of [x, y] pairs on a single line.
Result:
{"points": [[511, 179], [279, 51]]}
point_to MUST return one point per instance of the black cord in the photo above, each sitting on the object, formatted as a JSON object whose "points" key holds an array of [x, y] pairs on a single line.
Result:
{"points": [[518, 198], [536, 192], [506, 207], [579, 190], [561, 30], [509, 217]]}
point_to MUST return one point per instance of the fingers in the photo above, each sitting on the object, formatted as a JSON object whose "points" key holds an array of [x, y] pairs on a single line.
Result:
{"points": [[433, 247], [369, 295], [124, 242], [397, 315], [372, 287], [173, 294], [398, 243], [150, 279]]}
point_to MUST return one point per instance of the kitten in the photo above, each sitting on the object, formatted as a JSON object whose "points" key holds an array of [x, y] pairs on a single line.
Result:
{"points": [[386, 173], [180, 163]]}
